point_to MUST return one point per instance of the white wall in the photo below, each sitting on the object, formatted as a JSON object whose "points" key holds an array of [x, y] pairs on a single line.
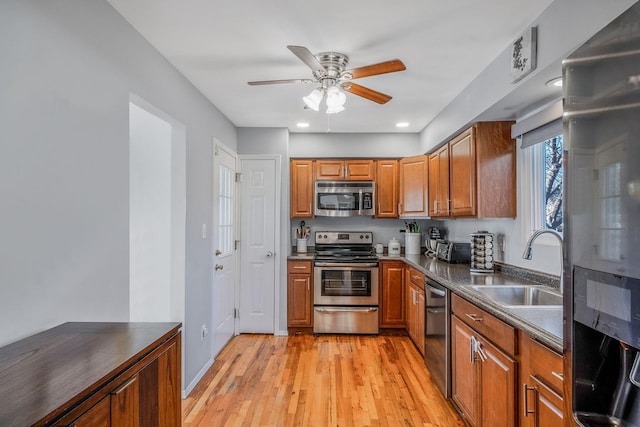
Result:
{"points": [[150, 217], [68, 69], [363, 145]]}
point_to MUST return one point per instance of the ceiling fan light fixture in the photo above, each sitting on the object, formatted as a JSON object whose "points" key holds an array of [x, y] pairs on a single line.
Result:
{"points": [[313, 99], [335, 98], [335, 109]]}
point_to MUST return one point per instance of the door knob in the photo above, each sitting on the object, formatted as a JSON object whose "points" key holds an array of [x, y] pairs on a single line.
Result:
{"points": [[219, 267], [218, 252], [269, 254]]}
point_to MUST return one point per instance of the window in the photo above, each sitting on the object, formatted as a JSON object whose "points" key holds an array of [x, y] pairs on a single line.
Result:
{"points": [[540, 169], [552, 185]]}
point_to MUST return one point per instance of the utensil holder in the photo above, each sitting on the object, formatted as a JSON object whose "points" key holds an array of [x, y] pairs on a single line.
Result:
{"points": [[412, 243], [301, 245]]}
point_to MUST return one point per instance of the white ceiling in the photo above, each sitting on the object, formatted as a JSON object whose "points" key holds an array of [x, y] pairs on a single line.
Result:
{"points": [[220, 45]]}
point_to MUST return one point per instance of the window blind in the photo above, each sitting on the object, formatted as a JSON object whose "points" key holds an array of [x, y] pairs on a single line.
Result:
{"points": [[540, 126]]}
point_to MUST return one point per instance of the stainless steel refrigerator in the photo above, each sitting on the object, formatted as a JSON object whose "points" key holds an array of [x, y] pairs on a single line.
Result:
{"points": [[602, 226]]}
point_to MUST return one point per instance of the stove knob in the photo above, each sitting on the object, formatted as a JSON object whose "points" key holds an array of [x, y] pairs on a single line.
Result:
{"points": [[325, 236], [361, 237]]}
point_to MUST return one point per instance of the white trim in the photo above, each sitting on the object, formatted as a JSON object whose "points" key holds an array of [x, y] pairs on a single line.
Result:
{"points": [[280, 333], [187, 391]]}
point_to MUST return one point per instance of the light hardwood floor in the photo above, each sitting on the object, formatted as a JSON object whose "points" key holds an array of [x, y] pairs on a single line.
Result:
{"points": [[302, 380]]}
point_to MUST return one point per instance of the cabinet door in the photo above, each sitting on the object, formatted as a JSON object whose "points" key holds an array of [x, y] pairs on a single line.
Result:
{"points": [[463, 174], [387, 189], [125, 408], [98, 416], [413, 187], [392, 310], [299, 303], [498, 387], [301, 196], [464, 371], [159, 387], [439, 182], [547, 403], [330, 170], [360, 170], [420, 320], [409, 306]]}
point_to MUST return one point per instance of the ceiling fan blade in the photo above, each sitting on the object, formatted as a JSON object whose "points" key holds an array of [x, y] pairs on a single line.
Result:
{"points": [[367, 93], [375, 69], [274, 82], [307, 57]]}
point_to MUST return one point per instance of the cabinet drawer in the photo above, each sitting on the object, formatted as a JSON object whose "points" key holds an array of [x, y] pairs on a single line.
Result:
{"points": [[494, 329], [546, 365], [416, 277], [299, 267]]}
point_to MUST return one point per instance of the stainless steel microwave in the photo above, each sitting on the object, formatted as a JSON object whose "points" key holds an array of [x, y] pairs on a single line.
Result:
{"points": [[345, 198]]}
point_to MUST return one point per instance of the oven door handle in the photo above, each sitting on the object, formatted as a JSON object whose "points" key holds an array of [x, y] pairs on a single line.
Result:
{"points": [[342, 309], [345, 264]]}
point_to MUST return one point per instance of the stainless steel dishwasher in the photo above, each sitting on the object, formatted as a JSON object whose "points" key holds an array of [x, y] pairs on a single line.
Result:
{"points": [[437, 334]]}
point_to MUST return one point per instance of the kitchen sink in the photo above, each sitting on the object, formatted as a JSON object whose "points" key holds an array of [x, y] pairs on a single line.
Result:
{"points": [[520, 295]]}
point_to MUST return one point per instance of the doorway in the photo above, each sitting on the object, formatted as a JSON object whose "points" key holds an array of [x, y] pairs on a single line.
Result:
{"points": [[157, 214]]}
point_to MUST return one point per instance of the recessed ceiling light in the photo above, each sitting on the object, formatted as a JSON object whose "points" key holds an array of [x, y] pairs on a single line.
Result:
{"points": [[556, 82], [402, 124], [302, 125]]}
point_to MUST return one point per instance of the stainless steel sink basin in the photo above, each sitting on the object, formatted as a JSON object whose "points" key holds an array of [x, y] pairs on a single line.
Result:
{"points": [[520, 295]]}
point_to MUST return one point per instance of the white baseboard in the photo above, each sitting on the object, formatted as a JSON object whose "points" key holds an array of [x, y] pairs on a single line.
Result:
{"points": [[281, 333], [197, 379]]}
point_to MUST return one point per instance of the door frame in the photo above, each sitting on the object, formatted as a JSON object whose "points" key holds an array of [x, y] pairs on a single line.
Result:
{"points": [[280, 253]]}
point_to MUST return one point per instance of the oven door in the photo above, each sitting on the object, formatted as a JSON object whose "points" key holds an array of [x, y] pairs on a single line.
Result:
{"points": [[345, 284]]}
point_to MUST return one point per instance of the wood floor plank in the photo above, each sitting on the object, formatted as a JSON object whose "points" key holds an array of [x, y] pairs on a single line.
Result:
{"points": [[302, 380]]}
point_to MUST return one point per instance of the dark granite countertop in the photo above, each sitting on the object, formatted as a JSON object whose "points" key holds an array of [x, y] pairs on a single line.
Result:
{"points": [[542, 323]]}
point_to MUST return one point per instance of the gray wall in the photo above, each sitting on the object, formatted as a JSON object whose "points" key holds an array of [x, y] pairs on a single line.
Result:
{"points": [[318, 145], [68, 68]]}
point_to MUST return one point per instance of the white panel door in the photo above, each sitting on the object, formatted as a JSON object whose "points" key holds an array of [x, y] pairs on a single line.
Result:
{"points": [[224, 260], [257, 246]]}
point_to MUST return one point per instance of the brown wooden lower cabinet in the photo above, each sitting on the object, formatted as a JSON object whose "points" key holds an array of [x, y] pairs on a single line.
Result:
{"points": [[94, 375], [541, 382], [414, 301], [391, 298], [484, 377], [299, 294]]}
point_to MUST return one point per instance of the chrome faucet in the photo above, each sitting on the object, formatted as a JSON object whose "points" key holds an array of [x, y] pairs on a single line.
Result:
{"points": [[528, 250]]}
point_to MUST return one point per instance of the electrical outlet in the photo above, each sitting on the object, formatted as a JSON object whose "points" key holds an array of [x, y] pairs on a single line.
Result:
{"points": [[205, 331]]}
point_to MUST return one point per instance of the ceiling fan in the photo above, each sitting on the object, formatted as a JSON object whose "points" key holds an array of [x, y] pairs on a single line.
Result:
{"points": [[329, 70]]}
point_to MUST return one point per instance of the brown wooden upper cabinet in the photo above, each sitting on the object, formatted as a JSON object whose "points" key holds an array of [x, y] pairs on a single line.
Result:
{"points": [[413, 187], [475, 174], [439, 182], [301, 197], [348, 170], [387, 189]]}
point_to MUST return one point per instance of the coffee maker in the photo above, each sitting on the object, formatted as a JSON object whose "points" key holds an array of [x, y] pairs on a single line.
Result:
{"points": [[606, 359]]}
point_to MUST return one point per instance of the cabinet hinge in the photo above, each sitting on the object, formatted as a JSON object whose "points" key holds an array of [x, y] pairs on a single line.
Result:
{"points": [[238, 176], [235, 313]]}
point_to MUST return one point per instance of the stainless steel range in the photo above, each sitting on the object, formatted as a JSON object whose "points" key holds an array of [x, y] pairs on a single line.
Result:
{"points": [[345, 283]]}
